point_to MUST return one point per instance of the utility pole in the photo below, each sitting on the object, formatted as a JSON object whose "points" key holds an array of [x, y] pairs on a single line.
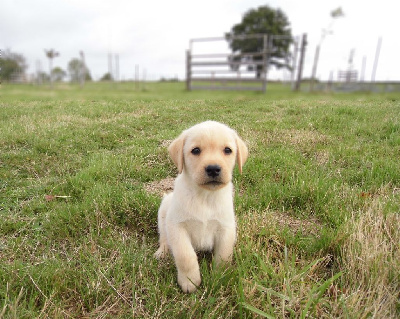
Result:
{"points": [[301, 62]]}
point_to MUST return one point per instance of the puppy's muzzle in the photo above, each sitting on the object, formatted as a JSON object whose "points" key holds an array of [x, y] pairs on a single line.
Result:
{"points": [[213, 170]]}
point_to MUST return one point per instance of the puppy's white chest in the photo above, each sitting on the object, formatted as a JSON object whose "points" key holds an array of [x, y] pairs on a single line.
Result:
{"points": [[205, 215], [203, 233]]}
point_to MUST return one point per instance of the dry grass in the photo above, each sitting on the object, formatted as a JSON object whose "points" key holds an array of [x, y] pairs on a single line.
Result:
{"points": [[259, 222], [371, 263], [283, 284], [297, 138]]}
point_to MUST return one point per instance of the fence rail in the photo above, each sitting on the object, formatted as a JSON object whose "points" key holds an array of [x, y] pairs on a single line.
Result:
{"points": [[227, 88], [230, 67], [222, 71], [211, 72], [225, 55], [224, 80], [222, 63]]}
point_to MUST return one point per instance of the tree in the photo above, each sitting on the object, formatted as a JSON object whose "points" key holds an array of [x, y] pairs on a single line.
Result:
{"points": [[75, 67], [106, 77], [58, 74], [263, 20], [12, 65], [42, 77], [51, 54]]}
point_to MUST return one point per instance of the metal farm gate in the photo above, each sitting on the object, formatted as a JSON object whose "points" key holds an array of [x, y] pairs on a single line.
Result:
{"points": [[228, 71]]}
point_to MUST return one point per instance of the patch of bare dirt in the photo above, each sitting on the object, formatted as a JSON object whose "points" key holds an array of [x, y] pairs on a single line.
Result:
{"points": [[161, 187]]}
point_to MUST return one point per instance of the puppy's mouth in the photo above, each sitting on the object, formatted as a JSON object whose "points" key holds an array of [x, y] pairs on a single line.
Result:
{"points": [[213, 183]]}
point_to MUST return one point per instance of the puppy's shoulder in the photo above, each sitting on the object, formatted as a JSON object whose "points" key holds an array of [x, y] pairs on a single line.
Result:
{"points": [[166, 200]]}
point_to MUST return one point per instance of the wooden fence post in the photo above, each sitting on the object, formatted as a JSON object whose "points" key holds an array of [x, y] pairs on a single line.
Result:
{"points": [[265, 63], [188, 71], [294, 63]]}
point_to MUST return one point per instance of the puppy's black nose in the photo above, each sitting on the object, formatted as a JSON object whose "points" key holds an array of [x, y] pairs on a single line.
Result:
{"points": [[213, 170]]}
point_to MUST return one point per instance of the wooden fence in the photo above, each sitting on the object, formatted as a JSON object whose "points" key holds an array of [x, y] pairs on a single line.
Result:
{"points": [[219, 71], [223, 71]]}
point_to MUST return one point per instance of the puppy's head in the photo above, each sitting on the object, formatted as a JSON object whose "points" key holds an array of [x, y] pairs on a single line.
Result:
{"points": [[207, 153]]}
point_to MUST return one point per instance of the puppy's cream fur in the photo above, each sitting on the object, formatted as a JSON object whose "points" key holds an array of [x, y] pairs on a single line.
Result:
{"points": [[199, 214]]}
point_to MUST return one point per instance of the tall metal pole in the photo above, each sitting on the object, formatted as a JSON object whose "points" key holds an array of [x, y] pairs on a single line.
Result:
{"points": [[301, 62], [378, 50]]}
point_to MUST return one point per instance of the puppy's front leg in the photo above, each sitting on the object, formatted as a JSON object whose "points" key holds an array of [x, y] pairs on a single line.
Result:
{"points": [[185, 260], [223, 246]]}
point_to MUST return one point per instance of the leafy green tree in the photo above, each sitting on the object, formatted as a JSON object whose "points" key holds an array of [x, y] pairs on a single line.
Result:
{"points": [[106, 77], [11, 65], [263, 20], [75, 67], [58, 74]]}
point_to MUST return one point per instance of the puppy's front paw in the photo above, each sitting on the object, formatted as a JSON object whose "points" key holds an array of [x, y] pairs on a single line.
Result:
{"points": [[189, 281], [161, 252]]}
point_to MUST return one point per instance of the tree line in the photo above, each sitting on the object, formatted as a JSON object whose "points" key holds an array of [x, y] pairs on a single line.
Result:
{"points": [[13, 67]]}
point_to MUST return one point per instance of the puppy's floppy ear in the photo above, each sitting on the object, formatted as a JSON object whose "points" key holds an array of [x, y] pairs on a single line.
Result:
{"points": [[242, 153], [176, 152]]}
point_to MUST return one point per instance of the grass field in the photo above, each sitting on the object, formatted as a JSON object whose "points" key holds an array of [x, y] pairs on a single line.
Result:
{"points": [[317, 205]]}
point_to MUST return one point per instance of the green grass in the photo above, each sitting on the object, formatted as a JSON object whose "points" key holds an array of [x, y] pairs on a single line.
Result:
{"points": [[317, 204]]}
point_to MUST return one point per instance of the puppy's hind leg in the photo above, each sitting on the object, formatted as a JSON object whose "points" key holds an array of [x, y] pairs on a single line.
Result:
{"points": [[162, 251]]}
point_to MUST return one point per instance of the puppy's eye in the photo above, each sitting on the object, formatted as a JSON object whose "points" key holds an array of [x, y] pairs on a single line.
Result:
{"points": [[227, 150], [196, 151]]}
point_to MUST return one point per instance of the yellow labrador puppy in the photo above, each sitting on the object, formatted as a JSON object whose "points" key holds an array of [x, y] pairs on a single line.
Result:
{"points": [[198, 214]]}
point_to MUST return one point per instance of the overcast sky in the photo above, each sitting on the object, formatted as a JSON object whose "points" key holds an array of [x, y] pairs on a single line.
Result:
{"points": [[154, 34]]}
